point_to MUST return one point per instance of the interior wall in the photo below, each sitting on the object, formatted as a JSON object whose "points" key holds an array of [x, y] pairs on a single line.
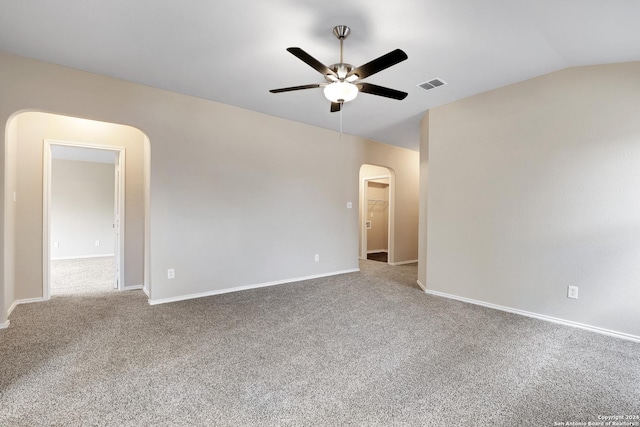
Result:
{"points": [[373, 171], [536, 186], [238, 198], [10, 176], [32, 129], [424, 194], [378, 214], [82, 209]]}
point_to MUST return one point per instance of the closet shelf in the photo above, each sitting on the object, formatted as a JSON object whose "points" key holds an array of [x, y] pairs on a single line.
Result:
{"points": [[374, 202]]}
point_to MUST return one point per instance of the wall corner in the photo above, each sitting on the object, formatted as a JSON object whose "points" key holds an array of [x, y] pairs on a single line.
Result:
{"points": [[423, 205]]}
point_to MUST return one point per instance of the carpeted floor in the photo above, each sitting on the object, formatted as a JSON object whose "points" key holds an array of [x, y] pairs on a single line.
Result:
{"points": [[377, 256], [80, 276], [360, 349]]}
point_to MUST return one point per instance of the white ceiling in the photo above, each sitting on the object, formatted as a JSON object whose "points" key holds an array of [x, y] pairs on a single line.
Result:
{"points": [[234, 51]]}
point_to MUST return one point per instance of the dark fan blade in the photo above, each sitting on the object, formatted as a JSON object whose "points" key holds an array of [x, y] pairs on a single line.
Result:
{"points": [[381, 91], [336, 106], [313, 62], [289, 89], [379, 64]]}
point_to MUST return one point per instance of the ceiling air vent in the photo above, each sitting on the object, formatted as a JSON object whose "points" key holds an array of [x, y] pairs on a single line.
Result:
{"points": [[432, 84]]}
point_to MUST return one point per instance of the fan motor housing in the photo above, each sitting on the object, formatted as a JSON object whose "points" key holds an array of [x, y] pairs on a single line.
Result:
{"points": [[341, 70]]}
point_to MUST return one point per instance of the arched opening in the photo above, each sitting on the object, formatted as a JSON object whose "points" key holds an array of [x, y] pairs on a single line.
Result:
{"points": [[29, 160], [376, 213]]}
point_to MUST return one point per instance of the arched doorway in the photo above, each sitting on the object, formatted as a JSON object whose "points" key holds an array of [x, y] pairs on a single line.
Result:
{"points": [[28, 133]]}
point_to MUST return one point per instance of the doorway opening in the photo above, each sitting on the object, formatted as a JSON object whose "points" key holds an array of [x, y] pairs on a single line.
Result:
{"points": [[83, 200], [376, 213], [29, 233]]}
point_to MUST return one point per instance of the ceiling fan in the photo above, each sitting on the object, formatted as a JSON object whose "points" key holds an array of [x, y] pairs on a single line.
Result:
{"points": [[344, 80]]}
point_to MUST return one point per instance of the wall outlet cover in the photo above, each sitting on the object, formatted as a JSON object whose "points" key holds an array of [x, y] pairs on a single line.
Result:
{"points": [[572, 292]]}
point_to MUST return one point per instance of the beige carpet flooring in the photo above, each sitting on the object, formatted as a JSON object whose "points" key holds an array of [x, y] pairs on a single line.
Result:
{"points": [[360, 349], [80, 276]]}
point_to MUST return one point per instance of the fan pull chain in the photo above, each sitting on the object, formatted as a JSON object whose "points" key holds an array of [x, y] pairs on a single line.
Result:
{"points": [[340, 123]]}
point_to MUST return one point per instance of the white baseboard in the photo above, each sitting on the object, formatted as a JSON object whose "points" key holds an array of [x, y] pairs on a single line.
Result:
{"points": [[15, 303], [424, 288], [23, 301], [546, 318], [81, 257], [146, 292], [377, 251], [244, 288], [413, 261], [132, 288]]}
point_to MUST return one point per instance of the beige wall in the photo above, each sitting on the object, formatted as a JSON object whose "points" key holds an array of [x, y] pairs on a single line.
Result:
{"points": [[33, 129], [424, 192], [9, 221], [82, 209], [536, 186], [372, 171], [237, 198]]}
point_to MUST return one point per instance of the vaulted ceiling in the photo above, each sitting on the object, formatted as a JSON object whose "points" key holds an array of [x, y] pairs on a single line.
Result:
{"points": [[234, 51]]}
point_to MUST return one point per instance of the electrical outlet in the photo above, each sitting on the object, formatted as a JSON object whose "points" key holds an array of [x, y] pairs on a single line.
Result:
{"points": [[349, 205], [317, 257], [171, 273], [97, 242], [572, 292], [56, 244]]}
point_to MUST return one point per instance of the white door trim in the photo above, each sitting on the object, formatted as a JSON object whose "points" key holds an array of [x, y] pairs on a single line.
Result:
{"points": [[46, 209]]}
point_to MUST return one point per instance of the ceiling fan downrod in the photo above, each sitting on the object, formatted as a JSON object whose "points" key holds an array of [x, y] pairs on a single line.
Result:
{"points": [[341, 32]]}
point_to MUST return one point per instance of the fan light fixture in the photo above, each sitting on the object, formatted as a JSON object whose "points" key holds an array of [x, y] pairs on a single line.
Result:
{"points": [[340, 92]]}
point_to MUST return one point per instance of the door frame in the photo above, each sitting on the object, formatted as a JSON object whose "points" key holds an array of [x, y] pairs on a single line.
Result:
{"points": [[364, 209], [46, 210]]}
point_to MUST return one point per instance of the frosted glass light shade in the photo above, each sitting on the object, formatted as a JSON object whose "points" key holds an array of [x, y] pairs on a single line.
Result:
{"points": [[340, 91]]}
